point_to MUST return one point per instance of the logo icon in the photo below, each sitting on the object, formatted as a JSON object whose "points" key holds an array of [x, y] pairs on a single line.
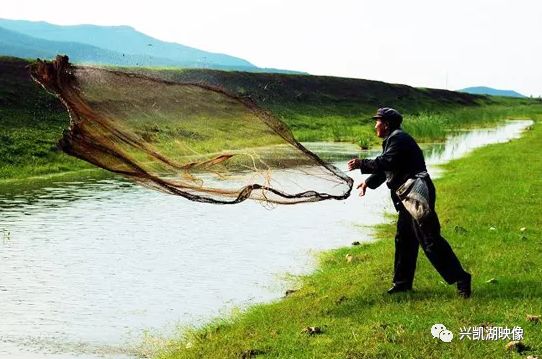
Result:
{"points": [[439, 331]]}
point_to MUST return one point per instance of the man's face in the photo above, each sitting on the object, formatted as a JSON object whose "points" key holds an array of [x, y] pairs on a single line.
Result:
{"points": [[381, 128]]}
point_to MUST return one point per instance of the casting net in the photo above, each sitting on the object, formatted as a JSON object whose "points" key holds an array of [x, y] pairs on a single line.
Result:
{"points": [[186, 139]]}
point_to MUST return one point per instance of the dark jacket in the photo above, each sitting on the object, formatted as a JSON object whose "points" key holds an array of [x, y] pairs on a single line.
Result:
{"points": [[401, 159]]}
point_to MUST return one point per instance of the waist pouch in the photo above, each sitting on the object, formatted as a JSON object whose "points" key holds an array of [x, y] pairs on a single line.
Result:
{"points": [[414, 194]]}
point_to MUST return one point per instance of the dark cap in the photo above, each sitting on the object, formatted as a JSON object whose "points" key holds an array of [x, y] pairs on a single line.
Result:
{"points": [[393, 117]]}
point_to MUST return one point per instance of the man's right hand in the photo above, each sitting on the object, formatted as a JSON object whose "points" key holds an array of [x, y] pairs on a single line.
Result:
{"points": [[353, 164]]}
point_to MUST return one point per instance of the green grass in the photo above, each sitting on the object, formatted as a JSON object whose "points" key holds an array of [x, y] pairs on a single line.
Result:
{"points": [[29, 144], [311, 125], [499, 187], [29, 137]]}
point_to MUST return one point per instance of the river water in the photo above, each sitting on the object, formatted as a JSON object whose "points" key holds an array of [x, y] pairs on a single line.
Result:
{"points": [[87, 268]]}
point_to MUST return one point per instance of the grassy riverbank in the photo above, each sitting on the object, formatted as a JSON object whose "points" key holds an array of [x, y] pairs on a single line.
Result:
{"points": [[484, 201], [316, 108]]}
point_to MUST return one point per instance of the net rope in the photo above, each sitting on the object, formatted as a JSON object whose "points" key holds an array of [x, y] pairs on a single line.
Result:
{"points": [[188, 139]]}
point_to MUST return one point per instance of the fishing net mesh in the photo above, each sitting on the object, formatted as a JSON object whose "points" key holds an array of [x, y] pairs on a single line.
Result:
{"points": [[186, 139]]}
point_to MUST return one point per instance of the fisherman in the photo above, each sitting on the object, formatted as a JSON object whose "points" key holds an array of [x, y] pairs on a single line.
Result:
{"points": [[402, 166]]}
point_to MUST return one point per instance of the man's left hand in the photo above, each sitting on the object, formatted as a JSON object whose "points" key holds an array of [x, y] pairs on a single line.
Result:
{"points": [[362, 188]]}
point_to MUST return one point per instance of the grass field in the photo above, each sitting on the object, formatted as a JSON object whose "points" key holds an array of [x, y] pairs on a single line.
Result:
{"points": [[489, 204]]}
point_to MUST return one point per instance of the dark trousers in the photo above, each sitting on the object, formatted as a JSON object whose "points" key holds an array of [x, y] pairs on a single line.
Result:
{"points": [[411, 234]]}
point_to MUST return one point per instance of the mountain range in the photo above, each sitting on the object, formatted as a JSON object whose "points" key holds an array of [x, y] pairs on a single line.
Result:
{"points": [[109, 45], [481, 90]]}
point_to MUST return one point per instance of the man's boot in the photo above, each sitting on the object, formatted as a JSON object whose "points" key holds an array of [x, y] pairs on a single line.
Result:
{"points": [[464, 286], [398, 288]]}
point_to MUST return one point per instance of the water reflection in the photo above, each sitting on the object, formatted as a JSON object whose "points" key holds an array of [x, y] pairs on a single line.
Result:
{"points": [[88, 266]]}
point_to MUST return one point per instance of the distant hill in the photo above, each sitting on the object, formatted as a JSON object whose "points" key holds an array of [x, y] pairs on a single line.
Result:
{"points": [[113, 45], [480, 90], [328, 96], [19, 45]]}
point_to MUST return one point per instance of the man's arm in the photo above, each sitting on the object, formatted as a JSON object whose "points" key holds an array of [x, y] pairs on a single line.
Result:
{"points": [[387, 161], [375, 180]]}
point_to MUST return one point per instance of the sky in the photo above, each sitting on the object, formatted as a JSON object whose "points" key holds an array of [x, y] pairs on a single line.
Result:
{"points": [[423, 43]]}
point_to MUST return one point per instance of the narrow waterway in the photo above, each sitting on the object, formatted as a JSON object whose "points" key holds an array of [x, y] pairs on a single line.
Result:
{"points": [[88, 267]]}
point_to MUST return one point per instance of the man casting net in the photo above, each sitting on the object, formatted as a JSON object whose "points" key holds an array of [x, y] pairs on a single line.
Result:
{"points": [[186, 139]]}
